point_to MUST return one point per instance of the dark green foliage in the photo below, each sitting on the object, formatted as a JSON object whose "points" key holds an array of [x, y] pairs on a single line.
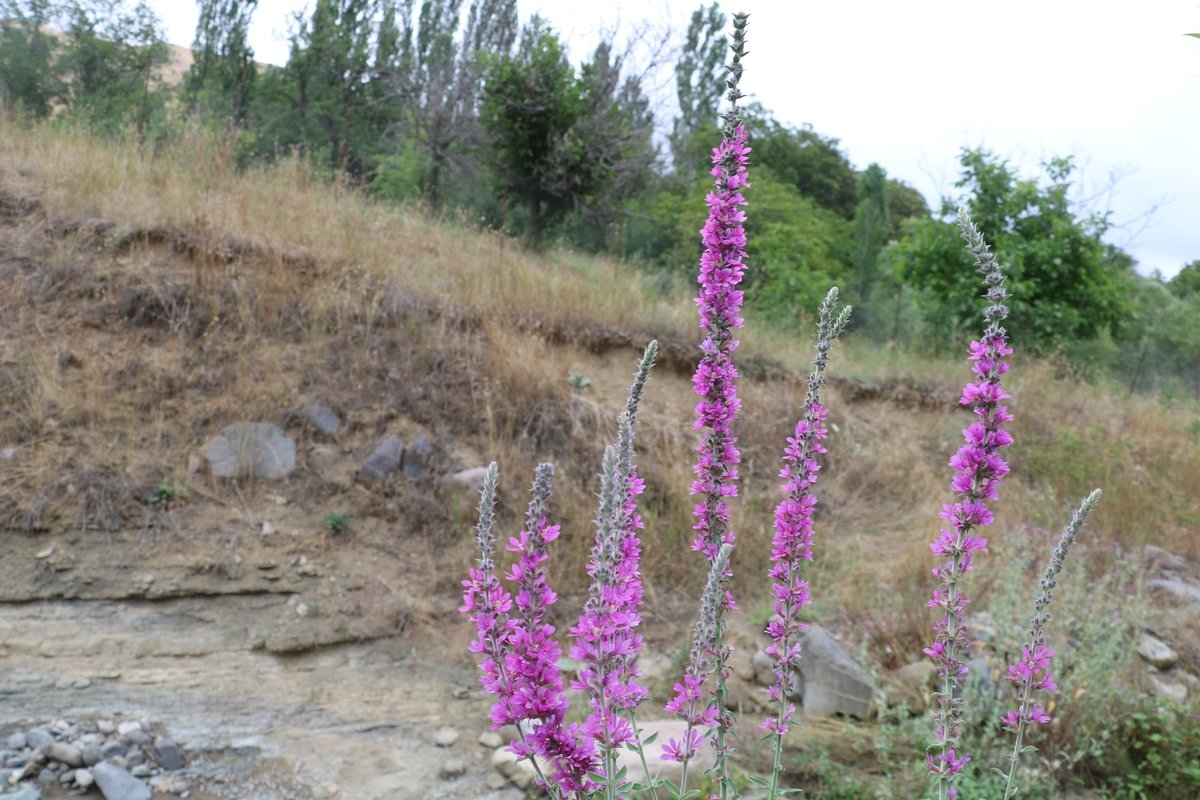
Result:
{"points": [[561, 142], [870, 230], [699, 81], [809, 161], [326, 99], [113, 53], [221, 80], [1155, 754], [436, 76], [1066, 285], [30, 72]]}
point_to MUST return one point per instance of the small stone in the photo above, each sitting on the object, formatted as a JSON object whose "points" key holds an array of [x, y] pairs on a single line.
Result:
{"points": [[117, 784], [268, 529], [490, 739], [47, 775], [138, 738], [15, 742], [141, 771], [167, 753], [251, 450], [445, 737], [454, 768], [60, 751], [84, 778], [8, 453], [303, 610], [61, 725], [469, 481], [323, 418], [1157, 652], [43, 554], [126, 728], [26, 792], [384, 461], [1169, 690], [38, 737], [134, 758], [105, 726], [417, 458], [1180, 590], [110, 749]]}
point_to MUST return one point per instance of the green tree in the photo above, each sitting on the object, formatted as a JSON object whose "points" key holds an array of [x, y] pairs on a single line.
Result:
{"points": [[870, 230], [221, 80], [561, 142], [327, 98], [1187, 281], [113, 54], [811, 162], [699, 84], [437, 77], [30, 74], [1066, 285]]}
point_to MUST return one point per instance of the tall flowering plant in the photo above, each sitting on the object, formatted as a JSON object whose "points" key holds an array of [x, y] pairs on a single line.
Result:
{"points": [[722, 266], [791, 545], [978, 471], [1032, 670], [515, 641]]}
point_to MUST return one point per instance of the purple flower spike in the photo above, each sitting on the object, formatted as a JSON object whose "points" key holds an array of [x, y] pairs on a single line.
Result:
{"points": [[792, 543], [978, 471], [1032, 669]]}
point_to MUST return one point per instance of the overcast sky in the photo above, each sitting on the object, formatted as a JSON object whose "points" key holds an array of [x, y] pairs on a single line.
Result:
{"points": [[1113, 82]]}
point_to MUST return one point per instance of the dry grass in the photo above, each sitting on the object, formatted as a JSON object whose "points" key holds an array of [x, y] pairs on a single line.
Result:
{"points": [[193, 294]]}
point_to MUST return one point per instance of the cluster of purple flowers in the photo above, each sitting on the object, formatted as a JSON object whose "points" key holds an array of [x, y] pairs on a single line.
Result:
{"points": [[978, 471], [519, 654], [520, 665], [792, 542], [722, 267]]}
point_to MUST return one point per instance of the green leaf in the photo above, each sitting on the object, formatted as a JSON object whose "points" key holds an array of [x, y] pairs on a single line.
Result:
{"points": [[758, 782], [650, 739], [1195, 35]]}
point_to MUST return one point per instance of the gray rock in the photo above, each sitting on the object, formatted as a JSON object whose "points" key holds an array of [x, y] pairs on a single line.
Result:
{"points": [[141, 771], [126, 728], [47, 775], [8, 453], [137, 738], [764, 668], [38, 737], [468, 481], [61, 751], [323, 418], [417, 459], [118, 785], [384, 461], [445, 737], [911, 685], [1162, 559], [490, 739], [980, 679], [251, 450], [109, 749], [1157, 652], [167, 753], [454, 768], [135, 757], [105, 726], [1180, 590], [26, 792], [84, 778], [1168, 689], [832, 683], [15, 742]]}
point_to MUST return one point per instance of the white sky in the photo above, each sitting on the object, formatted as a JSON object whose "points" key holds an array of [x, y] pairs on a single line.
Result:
{"points": [[1113, 82]]}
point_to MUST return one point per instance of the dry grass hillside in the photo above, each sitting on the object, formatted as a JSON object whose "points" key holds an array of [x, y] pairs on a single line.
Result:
{"points": [[150, 299]]}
